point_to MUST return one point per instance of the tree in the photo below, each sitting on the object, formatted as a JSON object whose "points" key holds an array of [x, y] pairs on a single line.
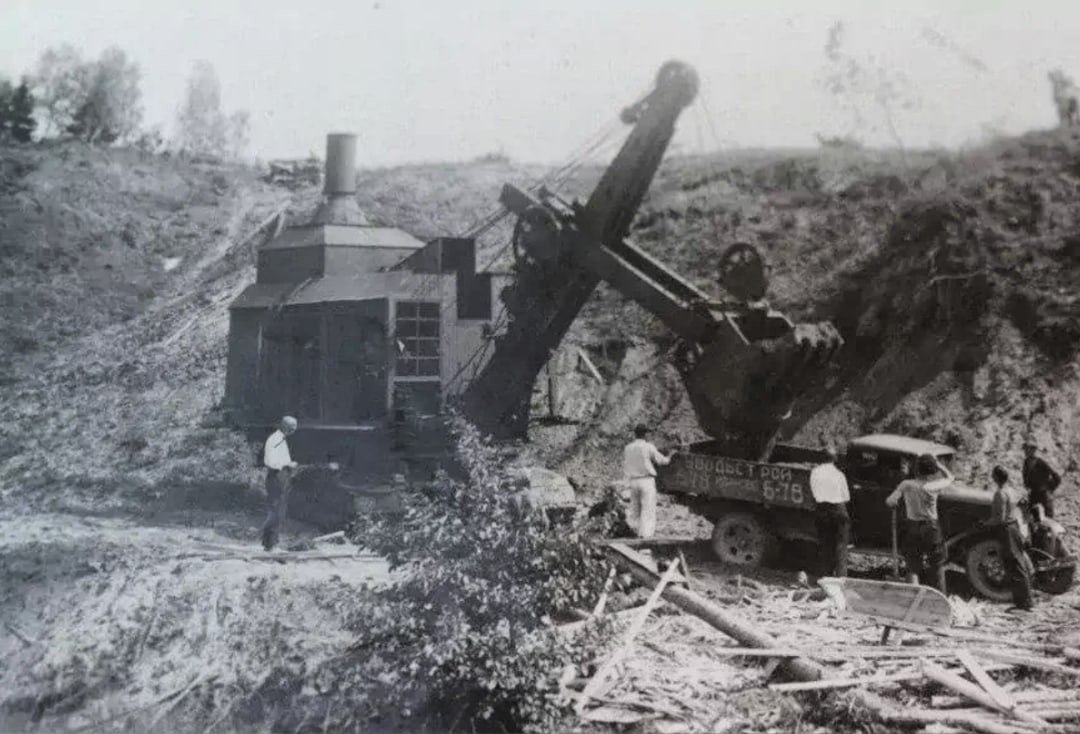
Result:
{"points": [[201, 125], [59, 82], [239, 127], [858, 85], [109, 109], [19, 116]]}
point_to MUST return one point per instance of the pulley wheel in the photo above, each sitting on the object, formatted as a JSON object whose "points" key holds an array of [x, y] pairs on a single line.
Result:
{"points": [[742, 272], [536, 236]]}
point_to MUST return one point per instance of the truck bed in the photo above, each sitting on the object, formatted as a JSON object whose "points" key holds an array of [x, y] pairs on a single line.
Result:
{"points": [[782, 483]]}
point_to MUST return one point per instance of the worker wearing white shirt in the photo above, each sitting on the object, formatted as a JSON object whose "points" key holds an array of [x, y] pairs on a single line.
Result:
{"points": [[640, 459], [829, 487], [279, 467]]}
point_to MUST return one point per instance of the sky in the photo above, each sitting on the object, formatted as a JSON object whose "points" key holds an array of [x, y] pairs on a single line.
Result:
{"points": [[431, 80]]}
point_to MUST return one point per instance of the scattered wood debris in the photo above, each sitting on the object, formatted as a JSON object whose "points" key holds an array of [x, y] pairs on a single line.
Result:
{"points": [[686, 668]]}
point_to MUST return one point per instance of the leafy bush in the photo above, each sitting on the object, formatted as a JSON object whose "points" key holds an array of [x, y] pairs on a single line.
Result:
{"points": [[482, 577]]}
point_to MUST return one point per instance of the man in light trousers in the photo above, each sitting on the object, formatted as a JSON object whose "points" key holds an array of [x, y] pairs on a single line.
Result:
{"points": [[640, 459]]}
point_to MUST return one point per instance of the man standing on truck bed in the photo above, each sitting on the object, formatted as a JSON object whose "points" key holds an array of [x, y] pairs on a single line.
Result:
{"points": [[830, 490], [279, 467], [1007, 517], [923, 537], [640, 458], [1040, 480]]}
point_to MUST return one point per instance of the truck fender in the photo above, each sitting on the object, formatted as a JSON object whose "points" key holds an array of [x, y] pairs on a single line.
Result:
{"points": [[956, 545]]}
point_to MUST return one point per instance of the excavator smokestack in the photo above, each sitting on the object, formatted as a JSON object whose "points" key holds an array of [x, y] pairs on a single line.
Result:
{"points": [[340, 164], [340, 206]]}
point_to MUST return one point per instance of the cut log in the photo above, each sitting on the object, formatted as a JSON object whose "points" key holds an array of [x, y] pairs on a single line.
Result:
{"points": [[831, 683], [1027, 661], [1036, 698], [975, 721], [699, 606], [996, 692], [958, 685]]}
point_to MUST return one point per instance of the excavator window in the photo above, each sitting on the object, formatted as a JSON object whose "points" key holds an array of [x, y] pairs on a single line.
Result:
{"points": [[416, 330]]}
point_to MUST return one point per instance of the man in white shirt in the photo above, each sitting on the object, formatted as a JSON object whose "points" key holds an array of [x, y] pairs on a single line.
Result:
{"points": [[829, 487], [279, 468], [640, 459]]}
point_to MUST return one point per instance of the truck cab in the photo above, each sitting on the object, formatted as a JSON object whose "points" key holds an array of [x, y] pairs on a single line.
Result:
{"points": [[876, 464]]}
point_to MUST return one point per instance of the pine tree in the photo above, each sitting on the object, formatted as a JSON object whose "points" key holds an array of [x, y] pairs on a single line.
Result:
{"points": [[19, 115]]}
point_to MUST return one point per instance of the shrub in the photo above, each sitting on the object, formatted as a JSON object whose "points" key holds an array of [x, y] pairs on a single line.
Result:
{"points": [[482, 577]]}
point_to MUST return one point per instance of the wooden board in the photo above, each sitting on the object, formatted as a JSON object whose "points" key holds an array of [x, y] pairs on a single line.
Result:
{"points": [[889, 600]]}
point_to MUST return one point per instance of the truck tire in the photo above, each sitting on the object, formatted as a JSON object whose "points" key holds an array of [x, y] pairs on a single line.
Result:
{"points": [[984, 562], [740, 538]]}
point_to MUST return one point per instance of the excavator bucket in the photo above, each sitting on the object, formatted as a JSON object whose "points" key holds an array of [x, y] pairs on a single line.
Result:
{"points": [[743, 382]]}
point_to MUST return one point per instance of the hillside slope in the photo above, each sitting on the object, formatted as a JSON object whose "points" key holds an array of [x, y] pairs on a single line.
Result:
{"points": [[951, 277]]}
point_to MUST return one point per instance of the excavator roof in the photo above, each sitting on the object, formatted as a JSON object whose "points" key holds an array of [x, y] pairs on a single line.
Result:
{"points": [[901, 445]]}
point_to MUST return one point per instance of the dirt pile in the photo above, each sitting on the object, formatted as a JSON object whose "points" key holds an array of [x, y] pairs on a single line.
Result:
{"points": [[121, 266]]}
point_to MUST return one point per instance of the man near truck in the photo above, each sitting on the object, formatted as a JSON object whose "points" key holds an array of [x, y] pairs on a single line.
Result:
{"points": [[830, 490], [924, 548], [640, 459], [1040, 480], [1008, 520]]}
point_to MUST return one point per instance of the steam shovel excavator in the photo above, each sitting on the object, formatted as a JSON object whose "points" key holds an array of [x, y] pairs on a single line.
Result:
{"points": [[743, 363]]}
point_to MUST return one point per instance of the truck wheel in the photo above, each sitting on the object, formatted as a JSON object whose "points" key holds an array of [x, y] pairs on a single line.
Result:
{"points": [[985, 564], [742, 539]]}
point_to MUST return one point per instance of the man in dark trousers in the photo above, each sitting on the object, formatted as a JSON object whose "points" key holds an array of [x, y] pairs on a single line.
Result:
{"points": [[924, 548], [1040, 480], [279, 469], [830, 490], [1009, 521]]}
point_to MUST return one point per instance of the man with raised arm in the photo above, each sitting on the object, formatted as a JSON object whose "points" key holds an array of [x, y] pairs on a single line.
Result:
{"points": [[924, 548]]}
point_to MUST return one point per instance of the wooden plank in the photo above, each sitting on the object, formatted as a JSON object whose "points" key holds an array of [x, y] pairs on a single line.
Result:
{"points": [[656, 540], [955, 683], [602, 601], [1029, 662], [598, 680], [640, 559], [996, 692], [583, 358], [963, 634], [975, 721], [832, 683]]}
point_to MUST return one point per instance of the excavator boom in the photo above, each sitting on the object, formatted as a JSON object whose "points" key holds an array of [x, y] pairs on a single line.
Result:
{"points": [[743, 364]]}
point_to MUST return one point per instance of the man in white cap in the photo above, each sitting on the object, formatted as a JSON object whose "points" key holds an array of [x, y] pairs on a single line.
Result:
{"points": [[279, 468]]}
